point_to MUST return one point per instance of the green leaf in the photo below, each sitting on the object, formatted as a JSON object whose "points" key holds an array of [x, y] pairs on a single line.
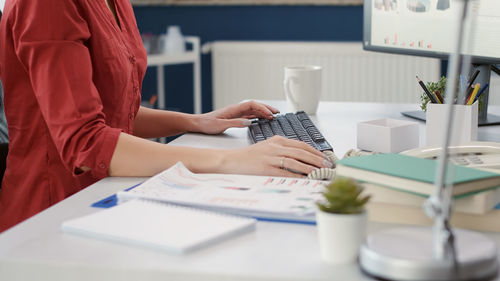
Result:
{"points": [[343, 196]]}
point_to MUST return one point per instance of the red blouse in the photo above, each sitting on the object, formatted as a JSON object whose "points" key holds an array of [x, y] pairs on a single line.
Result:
{"points": [[72, 77]]}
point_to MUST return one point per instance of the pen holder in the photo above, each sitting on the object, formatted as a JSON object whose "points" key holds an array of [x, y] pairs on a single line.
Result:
{"points": [[465, 122]]}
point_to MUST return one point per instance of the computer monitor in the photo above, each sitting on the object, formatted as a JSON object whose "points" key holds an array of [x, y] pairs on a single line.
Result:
{"points": [[427, 27]]}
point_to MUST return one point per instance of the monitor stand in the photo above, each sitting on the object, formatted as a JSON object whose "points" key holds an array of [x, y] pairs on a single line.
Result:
{"points": [[489, 120]]}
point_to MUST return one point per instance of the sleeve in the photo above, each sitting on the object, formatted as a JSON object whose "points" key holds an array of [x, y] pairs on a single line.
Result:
{"points": [[49, 41]]}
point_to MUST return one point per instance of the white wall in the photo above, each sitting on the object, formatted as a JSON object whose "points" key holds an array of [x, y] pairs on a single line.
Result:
{"points": [[2, 3], [254, 70]]}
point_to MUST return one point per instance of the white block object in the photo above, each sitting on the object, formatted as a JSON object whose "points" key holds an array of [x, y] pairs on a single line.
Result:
{"points": [[387, 135], [465, 123]]}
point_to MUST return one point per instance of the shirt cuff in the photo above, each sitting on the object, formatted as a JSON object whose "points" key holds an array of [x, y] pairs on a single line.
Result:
{"points": [[103, 159]]}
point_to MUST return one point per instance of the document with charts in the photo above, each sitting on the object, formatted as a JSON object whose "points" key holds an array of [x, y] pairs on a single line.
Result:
{"points": [[263, 197]]}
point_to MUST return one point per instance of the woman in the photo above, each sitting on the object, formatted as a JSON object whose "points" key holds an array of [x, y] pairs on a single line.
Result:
{"points": [[72, 73]]}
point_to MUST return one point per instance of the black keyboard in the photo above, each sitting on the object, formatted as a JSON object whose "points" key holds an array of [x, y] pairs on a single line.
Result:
{"points": [[297, 126]]}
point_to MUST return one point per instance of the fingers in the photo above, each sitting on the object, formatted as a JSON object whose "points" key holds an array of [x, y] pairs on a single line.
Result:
{"points": [[273, 110], [276, 172], [224, 124], [307, 158], [295, 157], [252, 116], [259, 109], [288, 167], [248, 110], [296, 144], [296, 167]]}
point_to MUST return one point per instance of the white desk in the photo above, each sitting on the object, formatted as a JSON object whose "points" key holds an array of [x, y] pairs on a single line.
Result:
{"points": [[37, 250]]}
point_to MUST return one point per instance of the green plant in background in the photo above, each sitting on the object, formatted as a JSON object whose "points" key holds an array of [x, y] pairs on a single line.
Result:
{"points": [[433, 86], [343, 196]]}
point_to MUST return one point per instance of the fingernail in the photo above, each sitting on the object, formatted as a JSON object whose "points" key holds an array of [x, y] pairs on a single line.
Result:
{"points": [[327, 163], [246, 122]]}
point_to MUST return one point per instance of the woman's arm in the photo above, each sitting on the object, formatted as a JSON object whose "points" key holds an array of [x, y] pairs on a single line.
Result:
{"points": [[134, 156], [152, 123]]}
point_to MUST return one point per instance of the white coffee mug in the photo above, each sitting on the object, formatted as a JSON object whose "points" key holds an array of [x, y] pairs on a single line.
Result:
{"points": [[302, 87]]}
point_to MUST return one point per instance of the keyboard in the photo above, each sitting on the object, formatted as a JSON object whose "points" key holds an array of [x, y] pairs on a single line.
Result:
{"points": [[297, 126]]}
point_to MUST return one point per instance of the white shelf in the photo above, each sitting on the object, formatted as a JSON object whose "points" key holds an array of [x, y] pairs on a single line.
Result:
{"points": [[192, 56], [164, 59]]}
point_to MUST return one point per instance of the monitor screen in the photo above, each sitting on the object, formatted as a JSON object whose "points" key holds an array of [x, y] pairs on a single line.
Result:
{"points": [[426, 28]]}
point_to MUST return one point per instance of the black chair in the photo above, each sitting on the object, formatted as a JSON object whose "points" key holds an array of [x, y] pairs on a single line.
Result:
{"points": [[4, 147], [4, 150]]}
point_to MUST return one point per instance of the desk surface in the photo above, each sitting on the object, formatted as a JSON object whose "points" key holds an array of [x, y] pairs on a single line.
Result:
{"points": [[37, 249]]}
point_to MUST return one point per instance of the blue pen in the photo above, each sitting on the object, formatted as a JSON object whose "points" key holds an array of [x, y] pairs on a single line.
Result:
{"points": [[481, 92]]}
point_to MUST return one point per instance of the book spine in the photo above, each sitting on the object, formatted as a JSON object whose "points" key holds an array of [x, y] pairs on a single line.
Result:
{"points": [[391, 213]]}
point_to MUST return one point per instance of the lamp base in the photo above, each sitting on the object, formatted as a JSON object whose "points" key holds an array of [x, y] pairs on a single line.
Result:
{"points": [[407, 254]]}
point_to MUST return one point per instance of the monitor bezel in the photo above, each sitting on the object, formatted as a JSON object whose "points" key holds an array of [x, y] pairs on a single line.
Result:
{"points": [[367, 12]]}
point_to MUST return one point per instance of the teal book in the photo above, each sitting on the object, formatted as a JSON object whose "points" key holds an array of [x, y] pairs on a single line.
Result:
{"points": [[415, 175]]}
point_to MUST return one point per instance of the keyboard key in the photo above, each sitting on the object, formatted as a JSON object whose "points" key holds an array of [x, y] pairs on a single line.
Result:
{"points": [[266, 130], [287, 128], [307, 123], [301, 115], [275, 126], [255, 128]]}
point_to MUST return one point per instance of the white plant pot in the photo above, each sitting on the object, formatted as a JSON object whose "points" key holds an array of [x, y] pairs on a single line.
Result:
{"points": [[340, 235]]}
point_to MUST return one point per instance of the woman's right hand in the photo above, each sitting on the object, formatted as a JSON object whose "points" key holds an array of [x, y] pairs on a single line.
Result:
{"points": [[277, 156]]}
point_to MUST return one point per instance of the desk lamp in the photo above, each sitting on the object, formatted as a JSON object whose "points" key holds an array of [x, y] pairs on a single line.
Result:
{"points": [[438, 252]]}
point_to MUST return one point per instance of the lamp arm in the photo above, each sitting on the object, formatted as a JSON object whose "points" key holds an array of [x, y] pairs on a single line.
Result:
{"points": [[438, 206]]}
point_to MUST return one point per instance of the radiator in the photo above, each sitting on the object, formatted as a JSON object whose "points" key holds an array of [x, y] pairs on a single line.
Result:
{"points": [[254, 70]]}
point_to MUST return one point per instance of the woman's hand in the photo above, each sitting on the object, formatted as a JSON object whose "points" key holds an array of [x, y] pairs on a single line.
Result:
{"points": [[277, 156], [236, 115]]}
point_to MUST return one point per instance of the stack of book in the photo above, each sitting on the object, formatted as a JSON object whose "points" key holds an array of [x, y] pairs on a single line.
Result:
{"points": [[400, 184]]}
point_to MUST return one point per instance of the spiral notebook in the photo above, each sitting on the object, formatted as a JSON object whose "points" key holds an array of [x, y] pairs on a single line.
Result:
{"points": [[158, 225]]}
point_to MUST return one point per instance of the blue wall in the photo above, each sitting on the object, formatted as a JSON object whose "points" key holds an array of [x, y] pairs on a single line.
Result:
{"points": [[210, 23]]}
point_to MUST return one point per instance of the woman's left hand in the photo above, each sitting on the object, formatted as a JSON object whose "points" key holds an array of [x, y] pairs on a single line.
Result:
{"points": [[236, 115]]}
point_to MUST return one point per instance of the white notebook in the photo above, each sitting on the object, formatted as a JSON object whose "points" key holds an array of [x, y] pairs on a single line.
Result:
{"points": [[158, 225]]}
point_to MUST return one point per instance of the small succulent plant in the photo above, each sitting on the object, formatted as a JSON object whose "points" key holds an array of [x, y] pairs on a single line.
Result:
{"points": [[343, 196]]}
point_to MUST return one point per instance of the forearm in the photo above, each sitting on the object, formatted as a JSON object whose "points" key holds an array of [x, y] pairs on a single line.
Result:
{"points": [[136, 157], [153, 123]]}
